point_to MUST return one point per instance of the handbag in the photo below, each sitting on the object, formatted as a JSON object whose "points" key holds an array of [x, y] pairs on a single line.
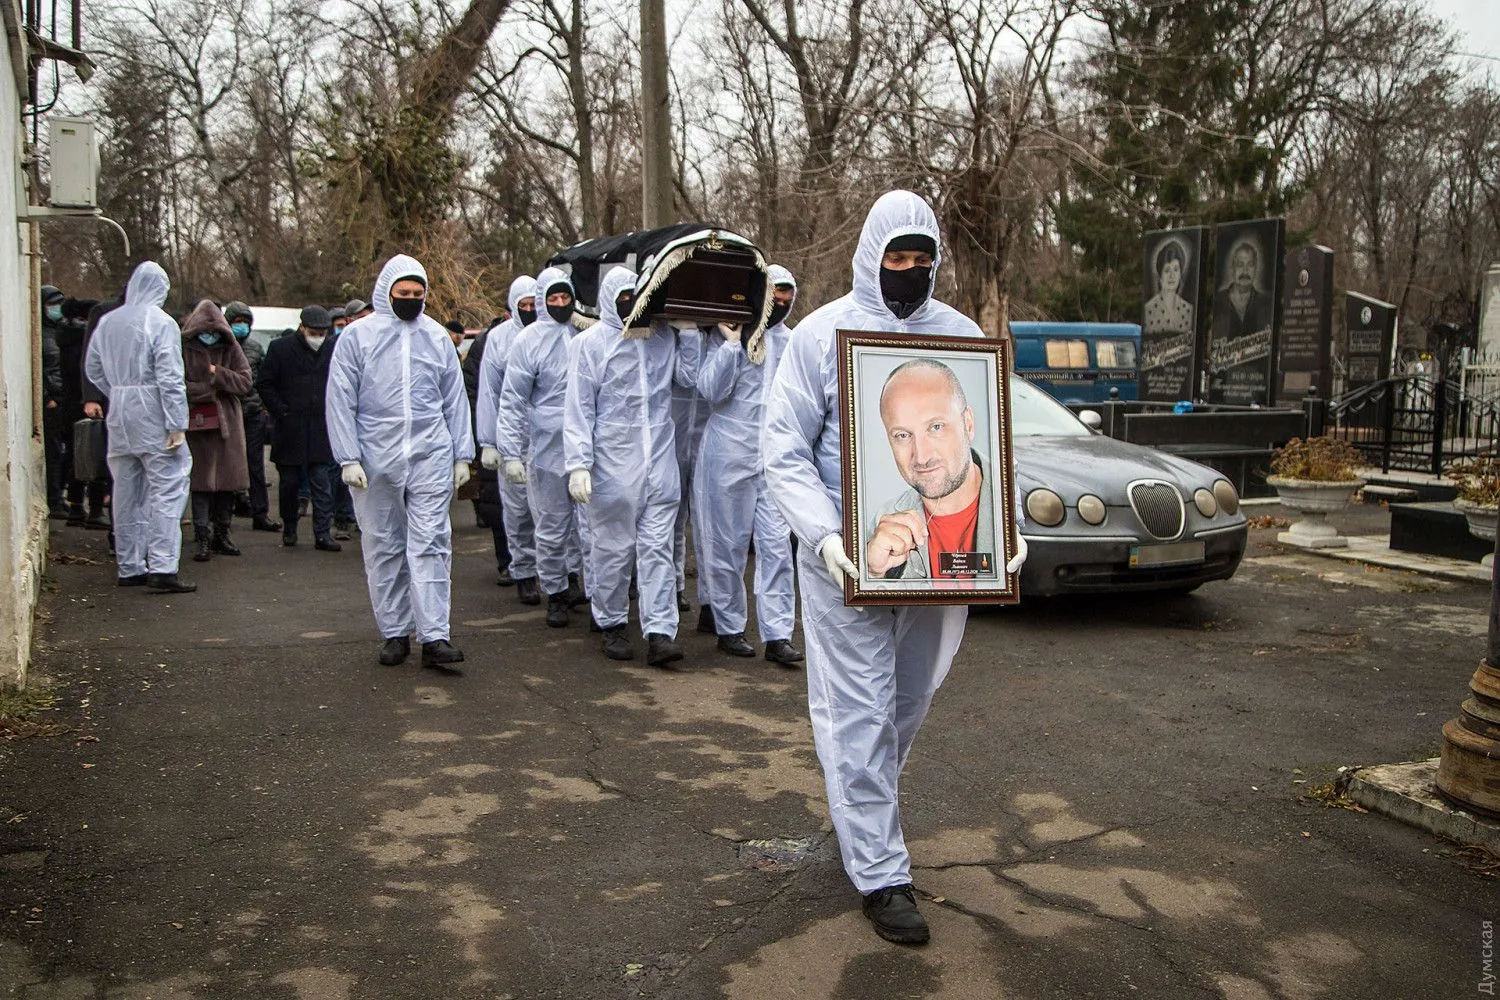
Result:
{"points": [[89, 450], [203, 417]]}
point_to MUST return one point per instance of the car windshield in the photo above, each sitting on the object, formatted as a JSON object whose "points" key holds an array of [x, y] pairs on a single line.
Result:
{"points": [[1033, 413]]}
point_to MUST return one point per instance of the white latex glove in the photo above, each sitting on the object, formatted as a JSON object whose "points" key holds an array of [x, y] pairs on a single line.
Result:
{"points": [[731, 332], [354, 476], [580, 485], [176, 439], [515, 471], [489, 457], [838, 563], [1019, 559], [460, 474]]}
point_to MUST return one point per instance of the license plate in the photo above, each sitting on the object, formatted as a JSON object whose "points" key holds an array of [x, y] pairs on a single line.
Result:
{"points": [[1176, 554]]}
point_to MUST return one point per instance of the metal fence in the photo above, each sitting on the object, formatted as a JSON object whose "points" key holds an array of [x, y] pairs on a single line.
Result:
{"points": [[1419, 422]]}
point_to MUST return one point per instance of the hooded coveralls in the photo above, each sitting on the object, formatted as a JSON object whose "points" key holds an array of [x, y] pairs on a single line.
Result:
{"points": [[871, 672], [730, 503], [396, 405], [619, 426], [515, 511], [532, 395], [689, 416], [135, 359]]}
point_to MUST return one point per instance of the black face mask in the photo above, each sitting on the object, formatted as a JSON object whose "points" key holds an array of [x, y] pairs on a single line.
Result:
{"points": [[779, 312], [905, 291], [528, 316], [623, 305], [407, 309], [561, 314]]}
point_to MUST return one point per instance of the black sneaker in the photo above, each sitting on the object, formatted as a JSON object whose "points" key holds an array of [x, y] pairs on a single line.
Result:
{"points": [[617, 644], [557, 609], [441, 655], [735, 645], [327, 545], [783, 652], [893, 911], [395, 651], [139, 580], [662, 649], [168, 583], [260, 522], [706, 620], [527, 591], [682, 603]]}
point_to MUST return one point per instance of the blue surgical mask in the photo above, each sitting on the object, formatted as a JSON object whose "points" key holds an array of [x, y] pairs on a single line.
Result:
{"points": [[209, 339], [54, 312], [241, 330]]}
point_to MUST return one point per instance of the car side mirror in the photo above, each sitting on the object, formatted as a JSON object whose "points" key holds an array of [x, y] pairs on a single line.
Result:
{"points": [[1091, 419]]}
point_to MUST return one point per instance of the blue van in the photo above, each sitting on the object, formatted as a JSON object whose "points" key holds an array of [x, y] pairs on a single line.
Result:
{"points": [[1079, 362]]}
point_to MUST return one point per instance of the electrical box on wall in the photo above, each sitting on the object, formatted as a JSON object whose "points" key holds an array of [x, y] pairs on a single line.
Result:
{"points": [[75, 162]]}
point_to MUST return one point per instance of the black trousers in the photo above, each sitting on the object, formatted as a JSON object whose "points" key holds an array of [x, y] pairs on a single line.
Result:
{"points": [[487, 506], [212, 508], [319, 482], [57, 446], [255, 456]]}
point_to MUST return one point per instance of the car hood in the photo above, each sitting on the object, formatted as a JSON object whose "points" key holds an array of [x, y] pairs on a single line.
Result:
{"points": [[1101, 466]]}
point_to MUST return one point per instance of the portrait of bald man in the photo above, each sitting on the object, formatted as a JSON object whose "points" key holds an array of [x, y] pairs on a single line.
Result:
{"points": [[942, 527]]}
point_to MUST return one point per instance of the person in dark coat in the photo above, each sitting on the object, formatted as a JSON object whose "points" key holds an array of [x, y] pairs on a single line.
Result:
{"points": [[487, 509], [54, 432], [218, 378], [293, 385], [63, 329], [257, 499]]}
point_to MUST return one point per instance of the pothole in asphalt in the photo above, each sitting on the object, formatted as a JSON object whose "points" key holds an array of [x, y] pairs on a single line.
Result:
{"points": [[780, 854]]}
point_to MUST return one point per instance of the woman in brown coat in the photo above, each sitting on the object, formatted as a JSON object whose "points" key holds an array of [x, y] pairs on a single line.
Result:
{"points": [[218, 376]]}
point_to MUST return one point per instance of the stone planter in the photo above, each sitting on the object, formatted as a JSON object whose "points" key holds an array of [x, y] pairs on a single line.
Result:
{"points": [[1314, 500], [1482, 520]]}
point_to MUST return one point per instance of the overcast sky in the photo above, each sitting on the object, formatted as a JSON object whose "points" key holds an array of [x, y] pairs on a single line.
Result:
{"points": [[1478, 26]]}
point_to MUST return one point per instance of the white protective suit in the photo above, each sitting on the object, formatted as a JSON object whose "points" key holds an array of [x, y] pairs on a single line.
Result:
{"points": [[871, 672], [520, 533], [689, 417], [619, 427], [397, 406], [135, 358], [730, 502], [530, 418]]}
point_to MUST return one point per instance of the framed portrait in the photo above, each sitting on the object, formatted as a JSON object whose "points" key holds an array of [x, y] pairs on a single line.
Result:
{"points": [[928, 476]]}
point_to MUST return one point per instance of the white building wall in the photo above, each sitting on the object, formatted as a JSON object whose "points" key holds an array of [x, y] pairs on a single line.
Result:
{"points": [[23, 511]]}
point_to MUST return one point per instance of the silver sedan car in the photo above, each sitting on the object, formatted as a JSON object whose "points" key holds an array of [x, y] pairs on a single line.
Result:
{"points": [[1105, 515]]}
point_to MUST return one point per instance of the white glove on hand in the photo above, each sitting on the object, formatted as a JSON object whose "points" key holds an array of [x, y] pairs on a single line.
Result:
{"points": [[834, 557], [1019, 559], [731, 331], [515, 471], [489, 457], [460, 474], [176, 439], [580, 485], [354, 476]]}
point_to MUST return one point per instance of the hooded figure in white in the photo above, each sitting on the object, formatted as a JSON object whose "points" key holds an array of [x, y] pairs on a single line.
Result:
{"points": [[135, 359], [520, 533], [689, 417], [730, 502], [872, 672], [529, 437], [398, 421], [620, 448]]}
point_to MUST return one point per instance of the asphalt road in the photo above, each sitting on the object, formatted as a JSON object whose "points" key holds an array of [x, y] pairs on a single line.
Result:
{"points": [[1109, 799]]}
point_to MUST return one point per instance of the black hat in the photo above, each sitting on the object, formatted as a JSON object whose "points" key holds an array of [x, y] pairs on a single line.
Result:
{"points": [[315, 318], [920, 242], [234, 310], [50, 293]]}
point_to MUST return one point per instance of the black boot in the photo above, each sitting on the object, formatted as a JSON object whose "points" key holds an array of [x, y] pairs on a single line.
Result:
{"points": [[893, 910], [76, 516], [222, 543], [577, 597], [262, 522], [706, 620], [327, 545], [96, 521], [783, 652], [139, 580], [504, 579], [617, 644], [202, 546], [735, 645], [168, 583], [441, 655], [682, 603], [527, 592], [662, 649], [289, 538], [395, 651], [557, 609]]}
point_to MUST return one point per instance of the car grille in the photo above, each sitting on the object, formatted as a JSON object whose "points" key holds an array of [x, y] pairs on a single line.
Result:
{"points": [[1159, 506]]}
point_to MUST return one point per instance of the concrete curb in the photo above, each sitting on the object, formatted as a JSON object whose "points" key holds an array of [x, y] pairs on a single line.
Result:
{"points": [[1375, 550], [1407, 792]]}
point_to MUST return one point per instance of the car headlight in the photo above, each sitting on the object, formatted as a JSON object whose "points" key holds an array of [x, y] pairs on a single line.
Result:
{"points": [[1205, 502], [1229, 499], [1091, 509], [1045, 508]]}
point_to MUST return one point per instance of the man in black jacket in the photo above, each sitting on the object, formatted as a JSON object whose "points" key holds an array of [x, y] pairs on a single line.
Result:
{"points": [[63, 326], [293, 384], [241, 319]]}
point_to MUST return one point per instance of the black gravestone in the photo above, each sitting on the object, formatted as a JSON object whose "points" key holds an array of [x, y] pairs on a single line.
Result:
{"points": [[1306, 342]]}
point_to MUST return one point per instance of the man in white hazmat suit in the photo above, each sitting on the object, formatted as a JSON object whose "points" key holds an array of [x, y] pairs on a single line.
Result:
{"points": [[135, 359], [398, 420], [689, 417], [620, 447], [516, 511], [529, 435], [872, 671], [730, 503]]}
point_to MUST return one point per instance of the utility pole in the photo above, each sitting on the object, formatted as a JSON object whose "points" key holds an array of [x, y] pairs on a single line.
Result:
{"points": [[656, 118]]}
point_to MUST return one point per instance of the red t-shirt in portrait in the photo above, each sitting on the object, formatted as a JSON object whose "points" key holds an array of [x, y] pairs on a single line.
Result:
{"points": [[951, 533]]}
